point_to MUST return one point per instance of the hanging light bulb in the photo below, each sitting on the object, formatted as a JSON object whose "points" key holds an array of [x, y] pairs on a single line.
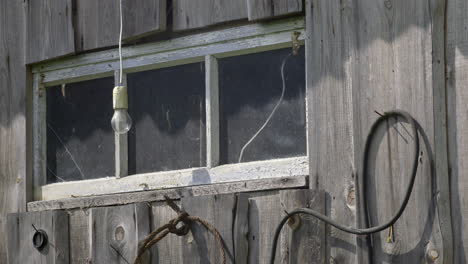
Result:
{"points": [[121, 121]]}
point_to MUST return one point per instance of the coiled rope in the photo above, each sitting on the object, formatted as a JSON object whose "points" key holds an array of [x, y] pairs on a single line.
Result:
{"points": [[171, 227]]}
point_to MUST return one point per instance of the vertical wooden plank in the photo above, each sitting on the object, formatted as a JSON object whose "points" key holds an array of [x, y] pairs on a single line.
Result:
{"points": [[121, 140], [267, 9], [50, 29], [98, 22], [39, 136], [116, 231], [21, 231], [264, 217], [212, 111], [241, 229], [79, 233], [346, 41], [403, 80], [188, 14], [456, 45], [306, 242], [13, 180], [169, 250], [201, 246], [441, 147], [3, 240], [329, 46]]}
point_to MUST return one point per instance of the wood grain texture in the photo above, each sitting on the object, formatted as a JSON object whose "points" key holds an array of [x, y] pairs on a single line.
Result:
{"points": [[170, 249], [79, 234], [264, 216], [179, 178], [212, 111], [368, 63], [304, 242], [3, 241], [116, 231], [457, 109], [21, 231], [188, 14], [200, 246], [14, 185], [158, 195], [98, 23], [241, 229], [49, 29], [267, 9]]}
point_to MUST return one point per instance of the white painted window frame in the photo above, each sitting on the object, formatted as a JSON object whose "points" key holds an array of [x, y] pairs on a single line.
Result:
{"points": [[207, 47]]}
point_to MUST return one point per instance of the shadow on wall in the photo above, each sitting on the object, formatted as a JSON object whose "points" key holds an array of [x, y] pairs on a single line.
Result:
{"points": [[356, 24], [374, 44]]}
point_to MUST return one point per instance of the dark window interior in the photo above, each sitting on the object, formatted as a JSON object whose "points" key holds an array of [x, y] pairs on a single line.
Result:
{"points": [[250, 87], [168, 109], [80, 140]]}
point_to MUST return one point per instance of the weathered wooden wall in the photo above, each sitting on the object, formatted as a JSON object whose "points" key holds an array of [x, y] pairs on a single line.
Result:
{"points": [[246, 222], [457, 109], [364, 58], [56, 28], [12, 115]]}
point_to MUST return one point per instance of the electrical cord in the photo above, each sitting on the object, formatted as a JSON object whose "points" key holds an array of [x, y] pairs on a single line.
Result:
{"points": [[364, 231]]}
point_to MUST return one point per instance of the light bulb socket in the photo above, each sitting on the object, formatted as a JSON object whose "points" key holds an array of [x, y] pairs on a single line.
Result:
{"points": [[120, 97]]}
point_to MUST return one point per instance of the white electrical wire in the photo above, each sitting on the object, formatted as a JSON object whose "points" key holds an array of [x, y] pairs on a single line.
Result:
{"points": [[272, 112], [120, 42]]}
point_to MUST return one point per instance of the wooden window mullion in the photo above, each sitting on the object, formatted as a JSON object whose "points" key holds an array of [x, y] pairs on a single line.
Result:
{"points": [[212, 111]]}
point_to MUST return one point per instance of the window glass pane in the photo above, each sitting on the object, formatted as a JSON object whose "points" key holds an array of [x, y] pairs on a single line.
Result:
{"points": [[168, 109], [80, 139], [250, 88]]}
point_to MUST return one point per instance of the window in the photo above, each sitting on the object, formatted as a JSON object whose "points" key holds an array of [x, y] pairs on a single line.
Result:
{"points": [[250, 87], [206, 108]]}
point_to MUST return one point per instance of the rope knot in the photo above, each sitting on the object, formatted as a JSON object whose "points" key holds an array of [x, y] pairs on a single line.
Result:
{"points": [[171, 227], [182, 230]]}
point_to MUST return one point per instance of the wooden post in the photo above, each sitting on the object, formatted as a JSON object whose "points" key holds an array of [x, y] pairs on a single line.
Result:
{"points": [[39, 136]]}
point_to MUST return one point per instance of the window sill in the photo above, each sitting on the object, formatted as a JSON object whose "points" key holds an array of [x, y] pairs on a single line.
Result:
{"points": [[257, 170]]}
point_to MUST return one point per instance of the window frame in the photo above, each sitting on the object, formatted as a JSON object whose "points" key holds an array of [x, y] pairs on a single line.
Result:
{"points": [[203, 47]]}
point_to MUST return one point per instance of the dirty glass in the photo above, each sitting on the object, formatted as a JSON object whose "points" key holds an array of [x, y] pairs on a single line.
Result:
{"points": [[80, 140], [168, 109], [250, 88]]}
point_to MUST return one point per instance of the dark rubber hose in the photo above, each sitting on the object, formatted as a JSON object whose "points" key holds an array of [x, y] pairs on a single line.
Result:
{"points": [[364, 231]]}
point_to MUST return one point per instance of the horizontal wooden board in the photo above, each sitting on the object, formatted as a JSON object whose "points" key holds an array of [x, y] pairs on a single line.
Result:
{"points": [[267, 9], [246, 31], [189, 14], [179, 178], [98, 22], [158, 195], [49, 29]]}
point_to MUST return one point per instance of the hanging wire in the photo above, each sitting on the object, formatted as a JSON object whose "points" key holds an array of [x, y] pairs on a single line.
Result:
{"points": [[120, 43], [272, 112]]}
